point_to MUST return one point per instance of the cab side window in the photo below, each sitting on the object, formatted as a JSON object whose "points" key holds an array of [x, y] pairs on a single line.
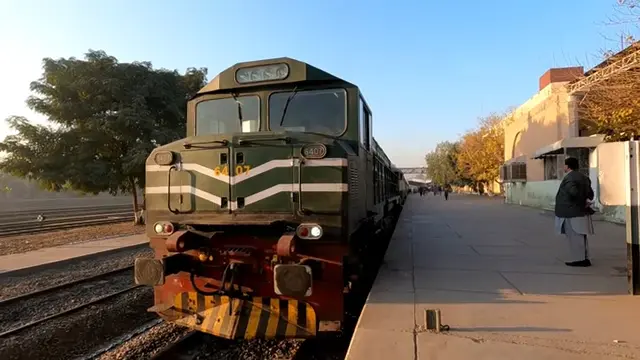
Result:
{"points": [[364, 125]]}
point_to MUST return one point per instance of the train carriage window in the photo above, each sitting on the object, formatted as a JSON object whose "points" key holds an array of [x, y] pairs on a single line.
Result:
{"points": [[380, 181], [321, 111], [386, 182], [364, 123], [222, 116], [376, 181]]}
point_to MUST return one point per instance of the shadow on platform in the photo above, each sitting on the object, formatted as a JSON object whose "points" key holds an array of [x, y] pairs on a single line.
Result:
{"points": [[477, 249], [496, 273]]}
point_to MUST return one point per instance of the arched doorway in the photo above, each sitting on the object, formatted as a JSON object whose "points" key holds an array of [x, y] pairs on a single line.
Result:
{"points": [[515, 149]]}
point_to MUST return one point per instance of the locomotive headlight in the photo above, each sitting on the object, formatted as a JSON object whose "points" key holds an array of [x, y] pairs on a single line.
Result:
{"points": [[164, 157], [309, 231], [158, 228], [316, 231]]}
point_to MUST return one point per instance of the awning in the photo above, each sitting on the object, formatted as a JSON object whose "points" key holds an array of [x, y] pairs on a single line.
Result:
{"points": [[569, 143]]}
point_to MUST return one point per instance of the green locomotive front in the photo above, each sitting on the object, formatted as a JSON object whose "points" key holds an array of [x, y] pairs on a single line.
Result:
{"points": [[256, 217]]}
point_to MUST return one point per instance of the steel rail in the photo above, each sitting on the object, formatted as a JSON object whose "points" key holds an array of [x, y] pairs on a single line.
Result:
{"points": [[13, 299], [68, 311]]}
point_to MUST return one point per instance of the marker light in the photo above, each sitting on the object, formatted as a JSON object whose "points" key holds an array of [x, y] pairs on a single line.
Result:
{"points": [[309, 231], [163, 228], [304, 232], [164, 158]]}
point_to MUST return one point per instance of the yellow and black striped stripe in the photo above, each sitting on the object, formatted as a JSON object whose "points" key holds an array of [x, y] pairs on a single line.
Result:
{"points": [[259, 317]]}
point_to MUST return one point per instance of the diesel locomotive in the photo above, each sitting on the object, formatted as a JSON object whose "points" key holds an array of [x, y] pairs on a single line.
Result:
{"points": [[258, 216]]}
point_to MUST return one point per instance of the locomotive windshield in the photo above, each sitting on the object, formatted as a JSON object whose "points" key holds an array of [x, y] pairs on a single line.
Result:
{"points": [[320, 111], [220, 116]]}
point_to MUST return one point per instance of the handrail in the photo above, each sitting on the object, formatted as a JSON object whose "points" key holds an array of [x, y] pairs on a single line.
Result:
{"points": [[173, 167]]}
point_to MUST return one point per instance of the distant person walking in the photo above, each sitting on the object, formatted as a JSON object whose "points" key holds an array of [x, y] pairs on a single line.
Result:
{"points": [[573, 212], [447, 189]]}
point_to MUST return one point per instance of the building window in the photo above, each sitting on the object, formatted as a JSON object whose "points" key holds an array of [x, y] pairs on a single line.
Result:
{"points": [[553, 167], [554, 164], [582, 154]]}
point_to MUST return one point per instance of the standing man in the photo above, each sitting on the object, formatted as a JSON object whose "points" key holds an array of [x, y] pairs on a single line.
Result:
{"points": [[573, 212]]}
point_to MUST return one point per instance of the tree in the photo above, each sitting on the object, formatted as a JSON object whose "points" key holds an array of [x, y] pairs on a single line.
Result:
{"points": [[481, 152], [614, 113], [627, 12], [3, 183], [441, 164], [106, 118], [4, 187], [611, 106]]}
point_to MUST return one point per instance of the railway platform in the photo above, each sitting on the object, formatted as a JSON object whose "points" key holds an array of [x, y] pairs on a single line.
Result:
{"points": [[15, 263], [496, 273]]}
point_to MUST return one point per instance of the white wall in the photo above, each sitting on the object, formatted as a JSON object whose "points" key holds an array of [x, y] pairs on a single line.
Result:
{"points": [[542, 194]]}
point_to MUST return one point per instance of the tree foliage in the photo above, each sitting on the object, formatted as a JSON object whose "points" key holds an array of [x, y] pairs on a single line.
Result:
{"points": [[106, 117], [441, 163], [481, 151], [626, 17], [613, 113], [612, 107], [473, 160]]}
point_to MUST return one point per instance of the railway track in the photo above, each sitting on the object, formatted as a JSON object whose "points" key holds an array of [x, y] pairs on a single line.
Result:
{"points": [[47, 220], [31, 215], [29, 310], [175, 343], [197, 345], [194, 344]]}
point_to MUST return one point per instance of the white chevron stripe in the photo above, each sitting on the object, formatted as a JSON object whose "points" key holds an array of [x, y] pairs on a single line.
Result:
{"points": [[251, 199], [253, 172], [184, 189]]}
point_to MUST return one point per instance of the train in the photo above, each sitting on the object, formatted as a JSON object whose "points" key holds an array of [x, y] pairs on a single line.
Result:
{"points": [[258, 217]]}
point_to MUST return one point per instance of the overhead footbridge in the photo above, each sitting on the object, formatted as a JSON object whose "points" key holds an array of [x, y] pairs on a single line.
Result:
{"points": [[417, 176]]}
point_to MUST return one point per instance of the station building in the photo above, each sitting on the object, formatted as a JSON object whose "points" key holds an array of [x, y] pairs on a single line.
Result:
{"points": [[540, 133]]}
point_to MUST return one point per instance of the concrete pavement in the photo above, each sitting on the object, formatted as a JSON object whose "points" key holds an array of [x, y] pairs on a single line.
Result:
{"points": [[46, 256], [496, 272]]}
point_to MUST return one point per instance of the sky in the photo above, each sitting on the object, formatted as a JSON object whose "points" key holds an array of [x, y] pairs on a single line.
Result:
{"points": [[428, 69]]}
